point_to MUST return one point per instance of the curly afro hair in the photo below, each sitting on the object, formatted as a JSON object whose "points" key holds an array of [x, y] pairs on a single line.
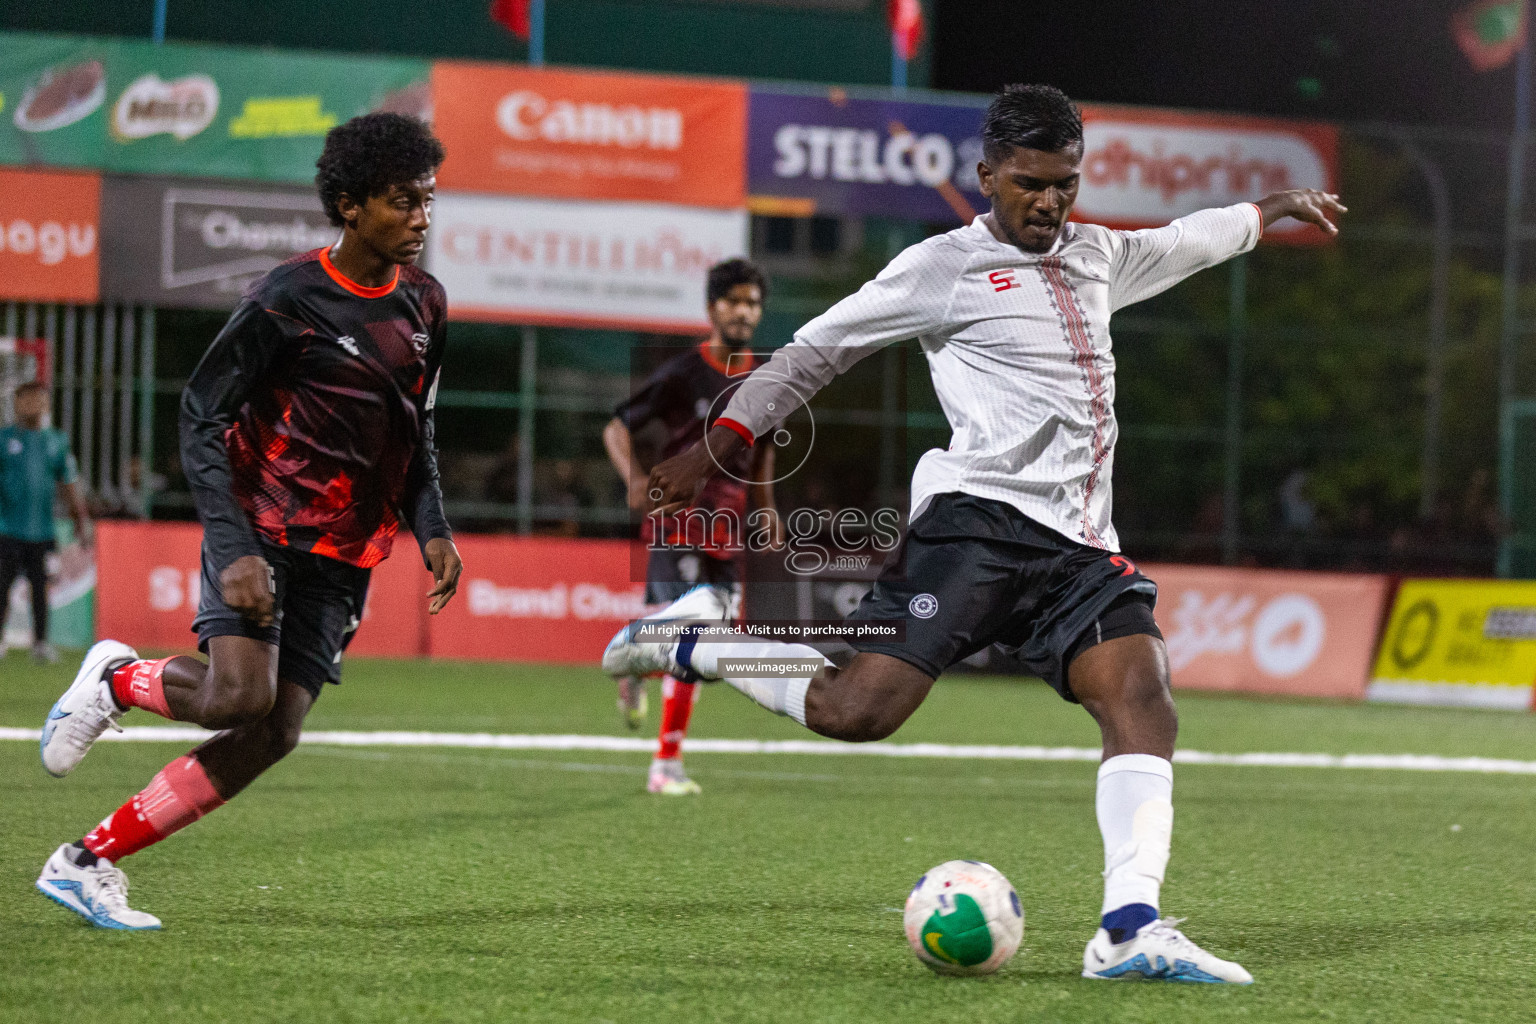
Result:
{"points": [[368, 154]]}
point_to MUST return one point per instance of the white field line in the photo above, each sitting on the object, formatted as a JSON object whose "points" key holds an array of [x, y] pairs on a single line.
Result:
{"points": [[637, 745]]}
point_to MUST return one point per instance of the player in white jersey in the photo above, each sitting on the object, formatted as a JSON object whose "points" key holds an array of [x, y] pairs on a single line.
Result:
{"points": [[1010, 540]]}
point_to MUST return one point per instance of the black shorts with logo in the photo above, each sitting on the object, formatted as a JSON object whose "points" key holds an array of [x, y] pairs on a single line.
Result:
{"points": [[972, 572], [672, 572], [319, 605]]}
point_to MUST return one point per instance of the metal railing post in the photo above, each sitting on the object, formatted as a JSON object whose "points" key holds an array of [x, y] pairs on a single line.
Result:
{"points": [[528, 392]]}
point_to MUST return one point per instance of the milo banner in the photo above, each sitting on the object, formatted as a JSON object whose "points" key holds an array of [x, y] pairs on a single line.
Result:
{"points": [[1468, 643], [190, 244], [129, 106]]}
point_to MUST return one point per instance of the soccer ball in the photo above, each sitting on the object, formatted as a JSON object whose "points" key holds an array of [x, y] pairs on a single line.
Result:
{"points": [[963, 917]]}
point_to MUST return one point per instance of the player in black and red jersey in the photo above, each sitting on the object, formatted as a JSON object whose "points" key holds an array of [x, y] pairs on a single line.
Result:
{"points": [[700, 545], [306, 435]]}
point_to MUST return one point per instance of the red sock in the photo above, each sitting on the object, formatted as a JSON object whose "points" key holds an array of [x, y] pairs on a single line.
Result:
{"points": [[178, 795], [138, 685], [677, 700]]}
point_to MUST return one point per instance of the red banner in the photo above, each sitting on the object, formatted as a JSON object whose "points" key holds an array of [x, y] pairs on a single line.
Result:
{"points": [[521, 598], [149, 578], [537, 599], [49, 230], [1307, 634], [590, 134]]}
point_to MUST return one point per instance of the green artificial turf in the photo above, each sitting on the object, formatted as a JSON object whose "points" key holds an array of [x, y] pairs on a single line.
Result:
{"points": [[407, 884]]}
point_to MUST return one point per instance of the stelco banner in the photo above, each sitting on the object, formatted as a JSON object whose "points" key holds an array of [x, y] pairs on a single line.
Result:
{"points": [[181, 243], [849, 156], [845, 156], [590, 134], [640, 266], [1264, 631], [1470, 643], [50, 236], [133, 107]]}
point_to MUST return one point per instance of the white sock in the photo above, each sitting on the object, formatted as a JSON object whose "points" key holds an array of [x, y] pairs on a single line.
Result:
{"points": [[1135, 810], [783, 695]]}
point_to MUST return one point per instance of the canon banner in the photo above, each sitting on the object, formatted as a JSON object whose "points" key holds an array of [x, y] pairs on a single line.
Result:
{"points": [[49, 236], [829, 152], [129, 106], [590, 134], [191, 244], [639, 266], [1306, 634]]}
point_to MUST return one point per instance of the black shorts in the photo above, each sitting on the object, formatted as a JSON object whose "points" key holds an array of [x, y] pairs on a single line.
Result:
{"points": [[972, 572], [319, 605], [672, 572]]}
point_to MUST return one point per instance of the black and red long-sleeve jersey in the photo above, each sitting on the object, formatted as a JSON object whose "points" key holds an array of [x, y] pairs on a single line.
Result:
{"points": [[684, 393], [308, 422]]}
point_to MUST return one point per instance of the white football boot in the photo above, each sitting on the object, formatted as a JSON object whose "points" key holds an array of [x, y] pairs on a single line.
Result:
{"points": [[86, 710], [98, 893], [667, 778], [625, 657], [1159, 952]]}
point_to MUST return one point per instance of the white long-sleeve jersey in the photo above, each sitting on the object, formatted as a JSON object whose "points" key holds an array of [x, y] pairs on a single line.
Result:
{"points": [[1019, 351]]}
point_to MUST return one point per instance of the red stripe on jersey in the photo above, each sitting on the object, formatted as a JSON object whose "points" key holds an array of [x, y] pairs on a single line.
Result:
{"points": [[1075, 323]]}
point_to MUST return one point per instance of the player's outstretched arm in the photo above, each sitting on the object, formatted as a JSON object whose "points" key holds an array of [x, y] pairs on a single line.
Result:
{"points": [[1308, 205]]}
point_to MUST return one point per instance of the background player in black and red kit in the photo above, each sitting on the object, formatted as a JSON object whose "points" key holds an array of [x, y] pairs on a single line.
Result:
{"points": [[690, 549], [306, 434]]}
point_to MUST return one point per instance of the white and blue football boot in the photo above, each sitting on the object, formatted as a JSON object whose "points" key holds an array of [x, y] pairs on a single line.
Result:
{"points": [[626, 657], [1158, 952], [97, 892], [86, 710]]}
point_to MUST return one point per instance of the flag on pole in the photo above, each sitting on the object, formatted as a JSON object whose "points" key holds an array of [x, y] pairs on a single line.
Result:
{"points": [[906, 17], [1490, 32], [512, 15]]}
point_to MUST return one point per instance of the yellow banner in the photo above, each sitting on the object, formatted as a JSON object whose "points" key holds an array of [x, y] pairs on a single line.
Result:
{"points": [[1459, 642]]}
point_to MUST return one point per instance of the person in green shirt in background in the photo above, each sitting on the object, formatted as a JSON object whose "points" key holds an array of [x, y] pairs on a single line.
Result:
{"points": [[34, 460]]}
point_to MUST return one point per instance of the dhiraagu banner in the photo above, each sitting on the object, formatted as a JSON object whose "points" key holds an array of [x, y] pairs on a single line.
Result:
{"points": [[209, 111], [1467, 643]]}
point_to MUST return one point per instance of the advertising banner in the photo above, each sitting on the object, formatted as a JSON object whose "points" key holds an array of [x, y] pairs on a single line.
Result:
{"points": [[188, 244], [71, 598], [133, 107], [1305, 634], [49, 236], [1143, 168], [150, 581], [639, 266], [1468, 643], [841, 155], [827, 152], [537, 599], [517, 130]]}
